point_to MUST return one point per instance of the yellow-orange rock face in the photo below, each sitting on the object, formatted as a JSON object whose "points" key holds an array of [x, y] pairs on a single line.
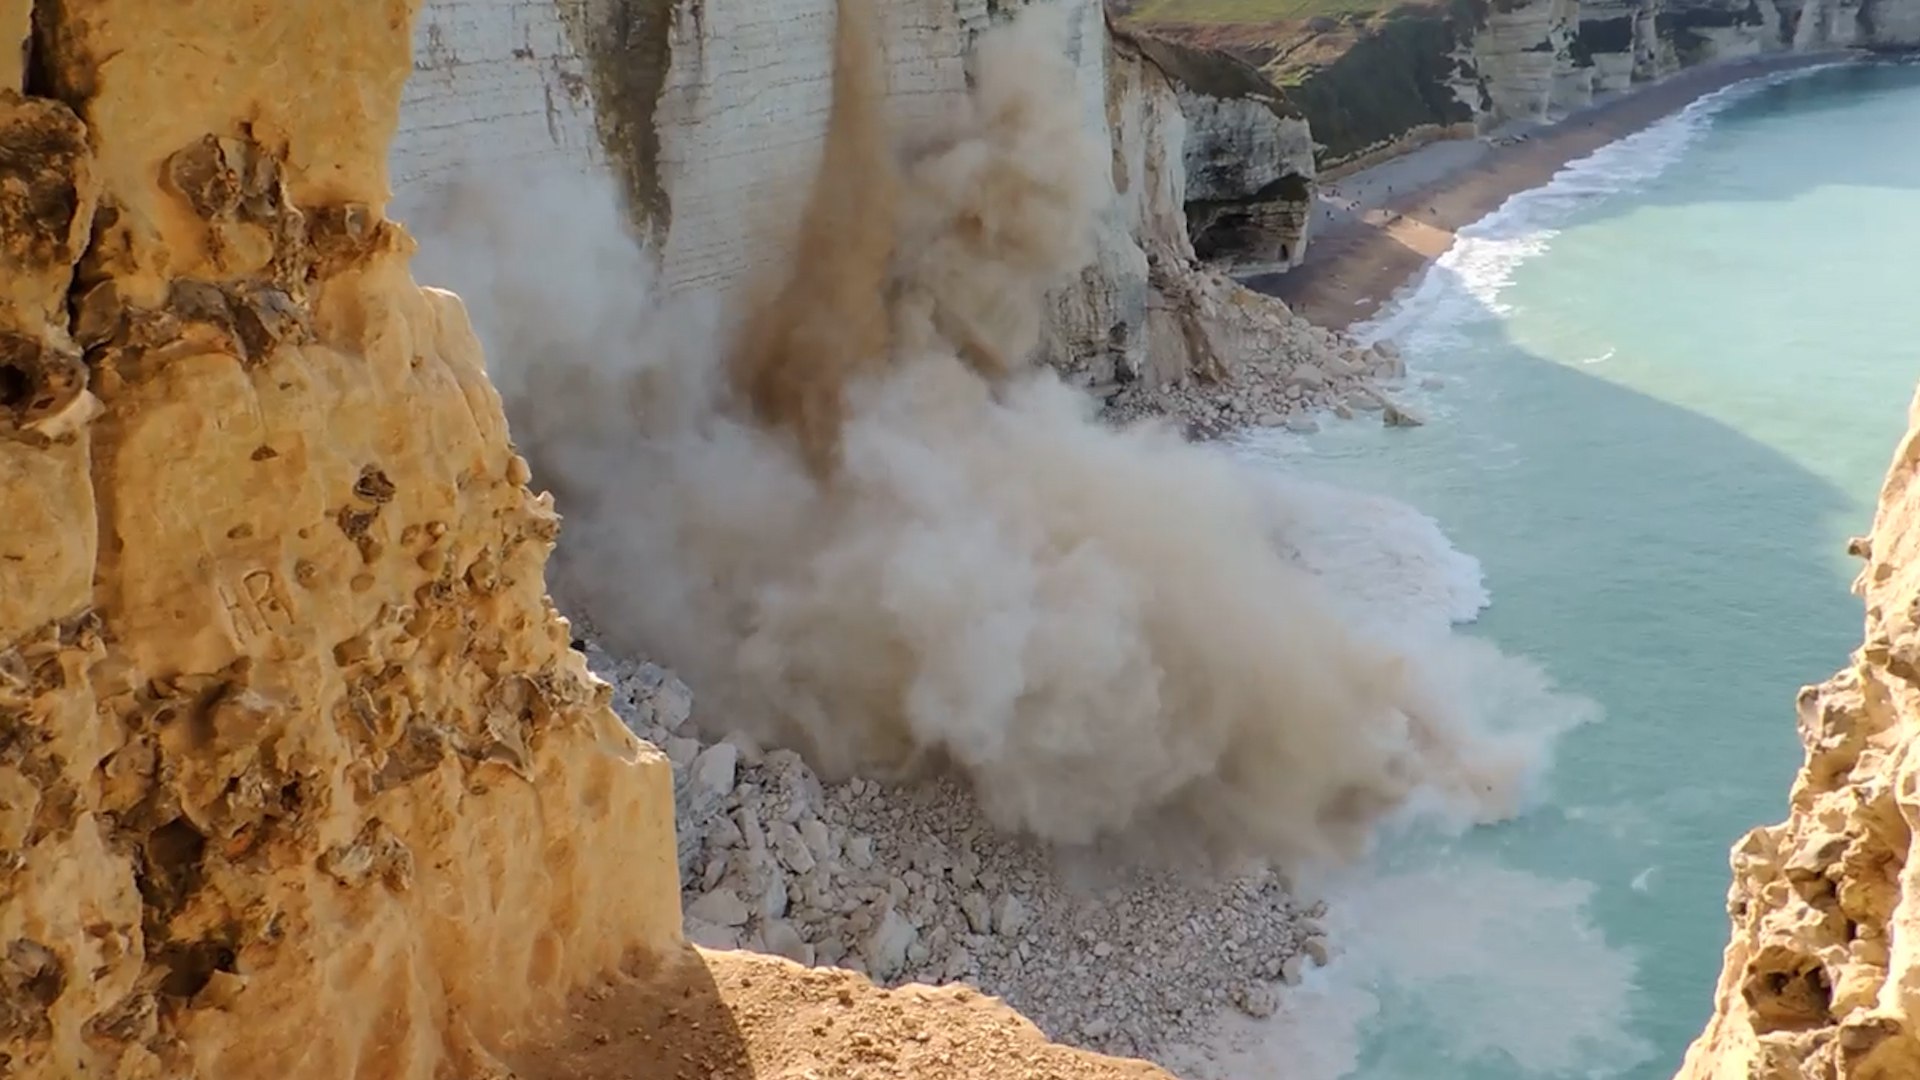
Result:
{"points": [[1822, 978], [298, 776]]}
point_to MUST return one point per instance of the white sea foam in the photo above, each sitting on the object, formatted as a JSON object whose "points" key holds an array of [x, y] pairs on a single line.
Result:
{"points": [[1466, 283], [1477, 964], [1469, 955]]}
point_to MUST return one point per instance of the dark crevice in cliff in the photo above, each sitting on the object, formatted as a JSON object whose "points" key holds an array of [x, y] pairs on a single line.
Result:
{"points": [[1263, 229], [35, 52], [629, 48]]}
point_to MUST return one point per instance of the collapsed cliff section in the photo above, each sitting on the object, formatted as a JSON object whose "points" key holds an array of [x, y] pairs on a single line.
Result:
{"points": [[1820, 973]]}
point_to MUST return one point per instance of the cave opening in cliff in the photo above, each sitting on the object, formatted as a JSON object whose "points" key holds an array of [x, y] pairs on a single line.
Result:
{"points": [[1263, 230]]}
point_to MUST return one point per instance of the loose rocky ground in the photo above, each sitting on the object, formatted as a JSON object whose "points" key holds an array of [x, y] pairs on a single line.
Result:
{"points": [[737, 1016], [911, 884], [1283, 369]]}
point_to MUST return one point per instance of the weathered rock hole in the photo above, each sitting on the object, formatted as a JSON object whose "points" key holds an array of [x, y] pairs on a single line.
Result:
{"points": [[31, 980], [191, 967], [16, 386], [171, 869], [36, 972], [1787, 991], [373, 485]]}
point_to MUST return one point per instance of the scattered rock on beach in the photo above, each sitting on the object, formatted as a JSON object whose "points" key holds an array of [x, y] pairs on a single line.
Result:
{"points": [[1394, 416]]}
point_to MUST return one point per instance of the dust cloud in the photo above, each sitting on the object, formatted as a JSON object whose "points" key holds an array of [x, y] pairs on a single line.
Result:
{"points": [[859, 522]]}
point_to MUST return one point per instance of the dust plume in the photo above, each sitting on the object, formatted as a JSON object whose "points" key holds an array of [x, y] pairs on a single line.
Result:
{"points": [[827, 324], [865, 526]]}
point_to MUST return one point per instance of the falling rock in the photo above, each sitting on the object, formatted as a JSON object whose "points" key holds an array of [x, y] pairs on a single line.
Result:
{"points": [[722, 833], [1308, 375], [1256, 1001], [791, 848], [979, 912], [1270, 419], [1293, 969], [886, 946], [713, 773], [959, 964], [744, 746], [1318, 950], [782, 939], [1394, 416], [813, 832], [708, 936], [1009, 915], [720, 907], [1388, 365], [682, 752], [1303, 425]]}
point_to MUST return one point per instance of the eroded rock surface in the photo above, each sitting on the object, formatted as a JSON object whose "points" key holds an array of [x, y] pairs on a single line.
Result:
{"points": [[297, 773], [1821, 974]]}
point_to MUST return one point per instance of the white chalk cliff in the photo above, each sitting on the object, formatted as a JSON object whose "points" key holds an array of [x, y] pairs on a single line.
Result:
{"points": [[711, 115], [1537, 58]]}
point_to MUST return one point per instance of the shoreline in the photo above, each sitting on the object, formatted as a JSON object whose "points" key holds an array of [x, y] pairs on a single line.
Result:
{"points": [[1376, 229]]}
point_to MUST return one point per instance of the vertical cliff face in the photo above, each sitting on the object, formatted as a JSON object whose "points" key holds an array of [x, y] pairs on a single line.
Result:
{"points": [[1822, 977], [1246, 155], [1537, 57], [297, 772], [712, 116]]}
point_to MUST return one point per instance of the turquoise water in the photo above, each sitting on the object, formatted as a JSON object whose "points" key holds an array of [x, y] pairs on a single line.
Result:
{"points": [[1670, 385]]}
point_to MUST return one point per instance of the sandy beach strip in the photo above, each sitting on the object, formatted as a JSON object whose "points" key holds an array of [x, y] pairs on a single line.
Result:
{"points": [[1375, 229]]}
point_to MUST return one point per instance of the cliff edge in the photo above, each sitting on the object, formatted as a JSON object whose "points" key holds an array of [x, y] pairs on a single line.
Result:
{"points": [[1822, 977], [298, 774]]}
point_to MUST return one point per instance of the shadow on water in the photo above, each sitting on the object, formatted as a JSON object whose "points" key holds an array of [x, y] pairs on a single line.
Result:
{"points": [[1685, 576]]}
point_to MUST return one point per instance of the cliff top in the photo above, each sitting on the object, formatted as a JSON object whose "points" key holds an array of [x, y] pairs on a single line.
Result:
{"points": [[1210, 71]]}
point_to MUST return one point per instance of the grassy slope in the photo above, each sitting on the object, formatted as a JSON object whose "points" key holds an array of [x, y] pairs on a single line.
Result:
{"points": [[1363, 71]]}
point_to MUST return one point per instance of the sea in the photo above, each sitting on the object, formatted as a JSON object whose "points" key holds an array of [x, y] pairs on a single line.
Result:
{"points": [[1660, 394]]}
